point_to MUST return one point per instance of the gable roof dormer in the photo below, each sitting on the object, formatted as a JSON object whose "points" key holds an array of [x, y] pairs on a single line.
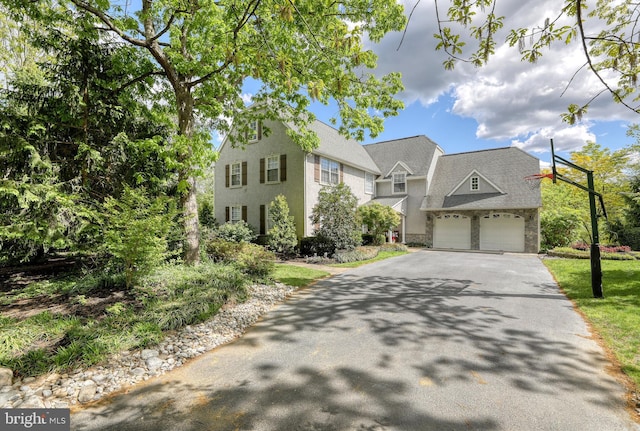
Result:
{"points": [[481, 185], [400, 166]]}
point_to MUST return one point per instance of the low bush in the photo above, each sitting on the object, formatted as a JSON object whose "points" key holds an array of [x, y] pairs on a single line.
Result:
{"points": [[394, 247], [251, 259], [360, 253], [371, 239], [575, 253], [316, 246], [235, 232]]}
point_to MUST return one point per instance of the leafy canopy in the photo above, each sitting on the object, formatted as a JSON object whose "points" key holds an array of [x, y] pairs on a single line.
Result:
{"points": [[607, 33]]}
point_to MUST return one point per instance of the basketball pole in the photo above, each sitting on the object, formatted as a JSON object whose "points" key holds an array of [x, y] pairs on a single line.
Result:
{"points": [[596, 267]]}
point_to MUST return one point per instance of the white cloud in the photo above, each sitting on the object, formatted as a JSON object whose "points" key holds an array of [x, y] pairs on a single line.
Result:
{"points": [[508, 98]]}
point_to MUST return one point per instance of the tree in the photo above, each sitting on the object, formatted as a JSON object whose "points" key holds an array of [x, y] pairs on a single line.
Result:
{"points": [[71, 135], [203, 52], [378, 218], [282, 235], [336, 218], [608, 36], [136, 230]]}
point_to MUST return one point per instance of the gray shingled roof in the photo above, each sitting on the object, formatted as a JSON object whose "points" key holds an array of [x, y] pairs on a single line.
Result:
{"points": [[504, 167], [415, 152], [335, 146]]}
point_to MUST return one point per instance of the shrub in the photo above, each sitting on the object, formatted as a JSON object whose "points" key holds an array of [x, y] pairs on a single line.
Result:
{"points": [[557, 229], [235, 232], [136, 230], [359, 254], [250, 259], [394, 247], [255, 261], [282, 235], [371, 239], [316, 246], [335, 216], [379, 219]]}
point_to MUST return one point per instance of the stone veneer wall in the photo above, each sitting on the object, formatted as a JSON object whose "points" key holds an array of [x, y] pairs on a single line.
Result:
{"points": [[414, 238], [531, 226]]}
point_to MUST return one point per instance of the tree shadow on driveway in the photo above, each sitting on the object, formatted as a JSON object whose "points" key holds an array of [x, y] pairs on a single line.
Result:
{"points": [[369, 352]]}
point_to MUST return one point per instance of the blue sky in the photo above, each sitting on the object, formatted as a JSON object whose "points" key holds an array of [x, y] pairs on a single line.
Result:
{"points": [[508, 102]]}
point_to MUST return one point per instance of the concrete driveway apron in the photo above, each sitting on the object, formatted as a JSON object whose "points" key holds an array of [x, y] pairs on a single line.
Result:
{"points": [[427, 341]]}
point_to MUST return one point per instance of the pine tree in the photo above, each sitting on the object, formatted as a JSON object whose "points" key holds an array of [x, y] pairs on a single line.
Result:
{"points": [[282, 235]]}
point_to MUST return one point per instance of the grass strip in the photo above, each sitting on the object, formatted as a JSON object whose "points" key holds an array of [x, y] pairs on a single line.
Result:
{"points": [[616, 317]]}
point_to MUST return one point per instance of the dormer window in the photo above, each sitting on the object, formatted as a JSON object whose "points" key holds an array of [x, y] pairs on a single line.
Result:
{"points": [[474, 184], [254, 131], [399, 182]]}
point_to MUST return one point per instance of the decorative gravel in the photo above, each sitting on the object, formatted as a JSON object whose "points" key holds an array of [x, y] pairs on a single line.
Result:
{"points": [[130, 367]]}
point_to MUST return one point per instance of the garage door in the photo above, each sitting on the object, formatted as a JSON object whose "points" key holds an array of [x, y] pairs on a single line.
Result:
{"points": [[502, 232], [452, 231]]}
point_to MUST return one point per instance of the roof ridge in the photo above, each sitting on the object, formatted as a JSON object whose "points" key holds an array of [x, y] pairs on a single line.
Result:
{"points": [[398, 139], [480, 151]]}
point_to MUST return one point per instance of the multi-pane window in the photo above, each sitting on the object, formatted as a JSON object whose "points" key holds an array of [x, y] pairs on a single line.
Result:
{"points": [[368, 183], [399, 182], [475, 183], [253, 131], [236, 214], [273, 169], [329, 171], [236, 174]]}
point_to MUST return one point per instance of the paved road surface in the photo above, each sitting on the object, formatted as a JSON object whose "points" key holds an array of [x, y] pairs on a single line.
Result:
{"points": [[427, 341]]}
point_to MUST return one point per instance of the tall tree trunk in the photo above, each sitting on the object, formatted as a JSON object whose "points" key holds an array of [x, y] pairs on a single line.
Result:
{"points": [[185, 103]]}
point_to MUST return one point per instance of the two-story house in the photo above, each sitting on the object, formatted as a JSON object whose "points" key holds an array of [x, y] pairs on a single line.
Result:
{"points": [[474, 201]]}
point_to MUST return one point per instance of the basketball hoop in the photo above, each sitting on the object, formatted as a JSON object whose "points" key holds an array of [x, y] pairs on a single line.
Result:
{"points": [[533, 181]]}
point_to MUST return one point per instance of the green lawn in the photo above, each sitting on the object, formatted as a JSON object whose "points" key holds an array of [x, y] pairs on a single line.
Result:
{"points": [[616, 317], [297, 276]]}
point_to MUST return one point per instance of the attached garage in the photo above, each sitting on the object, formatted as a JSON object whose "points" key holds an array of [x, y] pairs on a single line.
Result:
{"points": [[502, 231], [452, 231]]}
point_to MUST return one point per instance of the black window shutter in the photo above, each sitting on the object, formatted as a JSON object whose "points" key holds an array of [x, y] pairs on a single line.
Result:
{"points": [[263, 216], [244, 173], [261, 171], [283, 167], [226, 175], [226, 214], [316, 169], [244, 213]]}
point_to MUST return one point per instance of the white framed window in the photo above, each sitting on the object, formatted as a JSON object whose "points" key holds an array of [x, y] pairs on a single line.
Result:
{"points": [[474, 183], [236, 174], [399, 182], [235, 214], [369, 183], [253, 131], [273, 169], [329, 171]]}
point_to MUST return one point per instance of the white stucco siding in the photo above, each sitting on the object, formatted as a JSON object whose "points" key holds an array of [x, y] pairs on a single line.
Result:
{"points": [[351, 176], [415, 217], [255, 194]]}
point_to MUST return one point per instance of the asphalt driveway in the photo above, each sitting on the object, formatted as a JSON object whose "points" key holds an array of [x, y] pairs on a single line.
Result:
{"points": [[427, 341]]}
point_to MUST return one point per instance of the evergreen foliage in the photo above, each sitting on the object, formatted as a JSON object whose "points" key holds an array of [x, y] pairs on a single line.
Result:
{"points": [[282, 235], [136, 230]]}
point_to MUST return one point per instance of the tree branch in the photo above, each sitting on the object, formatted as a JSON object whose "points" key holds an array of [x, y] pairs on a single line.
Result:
{"points": [[106, 19], [617, 97]]}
